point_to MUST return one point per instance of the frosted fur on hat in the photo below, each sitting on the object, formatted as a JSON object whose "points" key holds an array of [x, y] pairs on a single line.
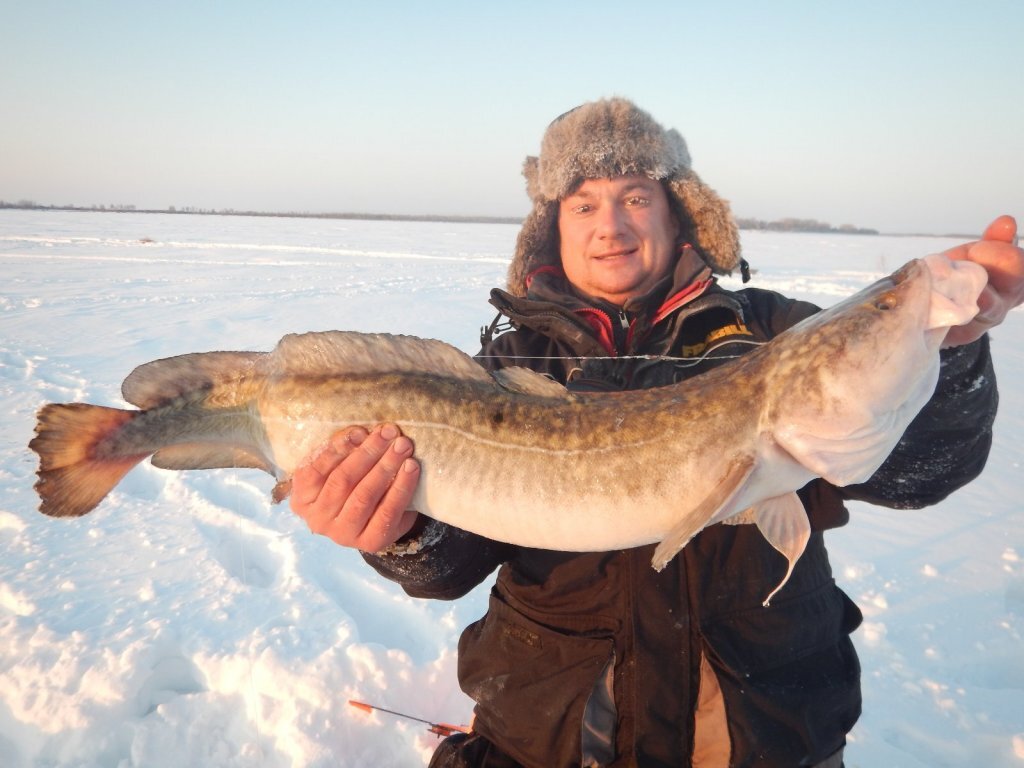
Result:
{"points": [[605, 139]]}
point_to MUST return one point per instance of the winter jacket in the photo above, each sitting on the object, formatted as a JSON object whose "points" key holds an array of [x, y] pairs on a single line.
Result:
{"points": [[595, 658]]}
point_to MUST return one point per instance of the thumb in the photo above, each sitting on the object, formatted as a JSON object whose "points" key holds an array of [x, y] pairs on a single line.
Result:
{"points": [[1003, 229]]}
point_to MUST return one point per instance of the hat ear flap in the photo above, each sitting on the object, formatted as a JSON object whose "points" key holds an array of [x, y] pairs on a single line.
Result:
{"points": [[531, 170], [536, 245], [718, 238]]}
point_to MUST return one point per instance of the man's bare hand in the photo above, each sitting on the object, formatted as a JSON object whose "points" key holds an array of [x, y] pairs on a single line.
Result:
{"points": [[358, 488], [998, 253]]}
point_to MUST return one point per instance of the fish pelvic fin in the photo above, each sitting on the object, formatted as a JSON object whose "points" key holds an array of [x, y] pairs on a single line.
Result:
{"points": [[209, 456], [705, 513], [281, 491], [73, 475], [783, 521]]}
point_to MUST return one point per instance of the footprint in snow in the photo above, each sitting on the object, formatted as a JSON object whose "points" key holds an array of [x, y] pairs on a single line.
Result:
{"points": [[16, 366], [243, 491], [170, 677], [245, 555], [52, 382]]}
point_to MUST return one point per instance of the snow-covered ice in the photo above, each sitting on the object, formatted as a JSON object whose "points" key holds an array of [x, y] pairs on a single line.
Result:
{"points": [[188, 621]]}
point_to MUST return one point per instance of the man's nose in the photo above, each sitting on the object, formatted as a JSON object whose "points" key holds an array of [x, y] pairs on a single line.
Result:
{"points": [[611, 221]]}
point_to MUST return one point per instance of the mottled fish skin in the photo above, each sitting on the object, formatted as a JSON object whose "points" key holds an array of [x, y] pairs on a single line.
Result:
{"points": [[517, 458]]}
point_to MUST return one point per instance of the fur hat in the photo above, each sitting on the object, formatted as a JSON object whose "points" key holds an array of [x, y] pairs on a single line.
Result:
{"points": [[604, 139]]}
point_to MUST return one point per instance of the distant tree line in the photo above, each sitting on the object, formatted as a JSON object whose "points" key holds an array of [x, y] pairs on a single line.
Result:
{"points": [[782, 225], [802, 225], [32, 205]]}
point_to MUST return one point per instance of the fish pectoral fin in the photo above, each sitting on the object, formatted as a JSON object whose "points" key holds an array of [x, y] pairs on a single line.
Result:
{"points": [[705, 513], [847, 457], [783, 521], [528, 382], [209, 456]]}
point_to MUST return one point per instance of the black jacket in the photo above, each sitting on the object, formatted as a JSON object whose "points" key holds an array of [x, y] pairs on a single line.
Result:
{"points": [[595, 658]]}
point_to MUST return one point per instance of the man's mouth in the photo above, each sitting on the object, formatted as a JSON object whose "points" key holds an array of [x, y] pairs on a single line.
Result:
{"points": [[607, 255]]}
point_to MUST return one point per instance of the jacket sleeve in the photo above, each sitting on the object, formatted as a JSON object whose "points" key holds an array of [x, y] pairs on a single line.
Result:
{"points": [[947, 444], [438, 561]]}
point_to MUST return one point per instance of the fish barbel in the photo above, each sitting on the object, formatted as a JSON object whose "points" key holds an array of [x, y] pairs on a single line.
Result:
{"points": [[514, 456]]}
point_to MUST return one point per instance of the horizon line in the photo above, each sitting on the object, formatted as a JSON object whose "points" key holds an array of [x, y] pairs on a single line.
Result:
{"points": [[793, 224]]}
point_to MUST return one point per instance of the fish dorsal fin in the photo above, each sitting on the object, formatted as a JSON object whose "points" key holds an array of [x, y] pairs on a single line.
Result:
{"points": [[783, 522], [209, 456], [346, 352], [527, 382], [161, 381], [705, 513]]}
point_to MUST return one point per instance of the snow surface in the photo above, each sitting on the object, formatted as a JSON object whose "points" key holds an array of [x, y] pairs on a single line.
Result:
{"points": [[188, 621]]}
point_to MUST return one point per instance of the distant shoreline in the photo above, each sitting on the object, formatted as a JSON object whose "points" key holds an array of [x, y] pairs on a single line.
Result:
{"points": [[269, 214], [809, 226]]}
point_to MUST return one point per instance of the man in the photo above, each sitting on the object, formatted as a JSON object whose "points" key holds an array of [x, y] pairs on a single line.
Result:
{"points": [[594, 658]]}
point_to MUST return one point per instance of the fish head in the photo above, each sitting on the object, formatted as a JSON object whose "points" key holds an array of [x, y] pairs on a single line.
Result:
{"points": [[857, 373], [928, 296], [911, 309]]}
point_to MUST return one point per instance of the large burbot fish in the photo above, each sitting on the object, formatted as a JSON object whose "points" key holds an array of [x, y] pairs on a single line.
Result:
{"points": [[515, 457]]}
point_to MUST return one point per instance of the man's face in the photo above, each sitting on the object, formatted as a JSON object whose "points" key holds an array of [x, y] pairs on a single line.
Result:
{"points": [[618, 236]]}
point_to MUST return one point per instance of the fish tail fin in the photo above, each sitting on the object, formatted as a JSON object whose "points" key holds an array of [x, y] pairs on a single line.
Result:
{"points": [[73, 477]]}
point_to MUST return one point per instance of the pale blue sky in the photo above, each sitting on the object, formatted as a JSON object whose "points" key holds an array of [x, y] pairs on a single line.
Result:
{"points": [[901, 116]]}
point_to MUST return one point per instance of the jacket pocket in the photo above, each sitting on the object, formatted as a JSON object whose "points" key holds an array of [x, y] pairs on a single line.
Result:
{"points": [[789, 676], [757, 640], [544, 694]]}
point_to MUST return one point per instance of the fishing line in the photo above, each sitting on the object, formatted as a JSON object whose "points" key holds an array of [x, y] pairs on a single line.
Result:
{"points": [[688, 361], [248, 656]]}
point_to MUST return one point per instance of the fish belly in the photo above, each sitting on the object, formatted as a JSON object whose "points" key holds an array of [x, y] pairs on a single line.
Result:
{"points": [[516, 469]]}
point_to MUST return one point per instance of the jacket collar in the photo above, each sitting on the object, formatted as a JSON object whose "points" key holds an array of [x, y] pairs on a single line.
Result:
{"points": [[549, 284], [616, 329]]}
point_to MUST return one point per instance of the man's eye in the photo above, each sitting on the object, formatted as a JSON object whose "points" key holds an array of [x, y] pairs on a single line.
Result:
{"points": [[584, 208], [637, 200]]}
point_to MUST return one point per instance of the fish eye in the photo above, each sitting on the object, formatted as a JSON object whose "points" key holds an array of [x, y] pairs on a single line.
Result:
{"points": [[885, 303]]}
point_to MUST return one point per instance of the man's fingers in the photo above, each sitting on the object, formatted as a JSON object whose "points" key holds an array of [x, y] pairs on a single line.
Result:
{"points": [[1003, 229], [366, 472], [393, 518], [308, 479], [360, 483], [1003, 261], [358, 489]]}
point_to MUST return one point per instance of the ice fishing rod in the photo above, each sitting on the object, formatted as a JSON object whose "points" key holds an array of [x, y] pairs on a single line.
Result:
{"points": [[439, 729]]}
